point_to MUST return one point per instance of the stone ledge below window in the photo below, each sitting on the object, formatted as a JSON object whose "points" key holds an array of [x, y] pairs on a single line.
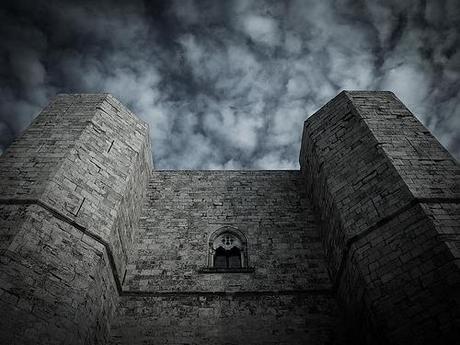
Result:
{"points": [[226, 270]]}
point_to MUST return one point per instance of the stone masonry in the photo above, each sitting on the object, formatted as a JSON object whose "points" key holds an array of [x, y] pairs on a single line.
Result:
{"points": [[387, 195], [71, 190], [361, 245], [287, 299]]}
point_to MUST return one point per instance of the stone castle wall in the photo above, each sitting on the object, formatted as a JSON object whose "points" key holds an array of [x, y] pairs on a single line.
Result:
{"points": [[98, 248], [387, 195], [71, 189], [287, 298]]}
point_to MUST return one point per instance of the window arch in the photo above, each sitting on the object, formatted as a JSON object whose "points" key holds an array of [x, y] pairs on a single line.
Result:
{"points": [[227, 249]]}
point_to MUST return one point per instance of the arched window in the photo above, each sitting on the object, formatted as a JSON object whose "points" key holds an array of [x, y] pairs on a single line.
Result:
{"points": [[230, 258], [227, 251]]}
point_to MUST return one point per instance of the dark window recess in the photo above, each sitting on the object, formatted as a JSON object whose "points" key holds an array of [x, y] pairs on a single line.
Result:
{"points": [[227, 252], [227, 258]]}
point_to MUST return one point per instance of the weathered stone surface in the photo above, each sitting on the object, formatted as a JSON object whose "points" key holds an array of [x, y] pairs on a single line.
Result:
{"points": [[71, 191], [387, 195], [56, 285], [183, 209], [287, 299], [98, 248], [82, 157], [229, 319]]}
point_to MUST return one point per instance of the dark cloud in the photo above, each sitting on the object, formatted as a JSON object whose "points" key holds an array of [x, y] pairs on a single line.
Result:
{"points": [[227, 84]]}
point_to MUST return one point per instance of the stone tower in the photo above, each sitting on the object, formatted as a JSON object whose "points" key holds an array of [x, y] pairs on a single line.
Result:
{"points": [[387, 197], [360, 245]]}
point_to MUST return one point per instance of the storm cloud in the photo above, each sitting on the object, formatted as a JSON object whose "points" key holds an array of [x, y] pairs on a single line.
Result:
{"points": [[228, 84]]}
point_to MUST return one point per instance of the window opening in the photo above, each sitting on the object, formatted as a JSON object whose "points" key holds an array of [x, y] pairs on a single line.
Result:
{"points": [[227, 250]]}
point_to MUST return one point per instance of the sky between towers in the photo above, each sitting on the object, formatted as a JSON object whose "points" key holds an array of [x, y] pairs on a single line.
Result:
{"points": [[228, 84]]}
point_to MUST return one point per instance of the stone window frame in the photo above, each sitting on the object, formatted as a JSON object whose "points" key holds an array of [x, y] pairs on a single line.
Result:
{"points": [[245, 268]]}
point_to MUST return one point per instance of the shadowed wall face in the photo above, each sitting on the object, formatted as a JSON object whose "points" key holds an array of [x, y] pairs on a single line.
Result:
{"points": [[387, 196], [284, 297], [71, 187]]}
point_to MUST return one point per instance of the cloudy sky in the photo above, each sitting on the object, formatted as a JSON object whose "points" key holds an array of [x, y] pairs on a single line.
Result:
{"points": [[228, 84]]}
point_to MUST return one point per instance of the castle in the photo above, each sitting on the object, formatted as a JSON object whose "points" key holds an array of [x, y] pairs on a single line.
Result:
{"points": [[359, 246]]}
